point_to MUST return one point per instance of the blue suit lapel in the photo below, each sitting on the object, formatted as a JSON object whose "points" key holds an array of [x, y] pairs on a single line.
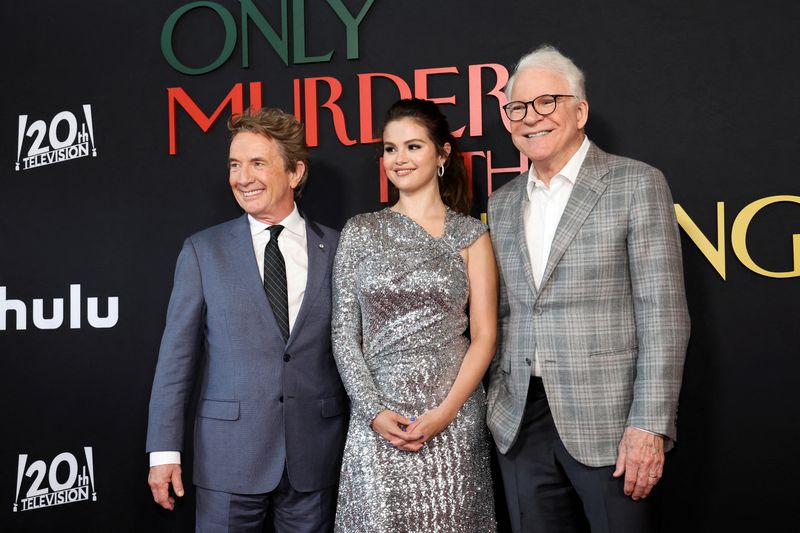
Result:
{"points": [[585, 194], [246, 269], [318, 261]]}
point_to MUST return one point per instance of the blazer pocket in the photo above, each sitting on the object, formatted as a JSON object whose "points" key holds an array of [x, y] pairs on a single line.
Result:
{"points": [[631, 350], [334, 406], [602, 233], [219, 409]]}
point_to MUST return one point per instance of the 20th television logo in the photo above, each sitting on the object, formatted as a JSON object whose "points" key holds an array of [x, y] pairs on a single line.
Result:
{"points": [[62, 139], [62, 481]]}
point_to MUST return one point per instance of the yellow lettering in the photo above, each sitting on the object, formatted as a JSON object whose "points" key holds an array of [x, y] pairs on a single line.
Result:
{"points": [[739, 237], [715, 256]]}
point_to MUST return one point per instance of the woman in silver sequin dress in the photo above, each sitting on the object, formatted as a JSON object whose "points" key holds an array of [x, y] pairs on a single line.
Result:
{"points": [[417, 453]]}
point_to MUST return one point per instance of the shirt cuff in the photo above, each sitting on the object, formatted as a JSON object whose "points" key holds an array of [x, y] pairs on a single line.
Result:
{"points": [[165, 458]]}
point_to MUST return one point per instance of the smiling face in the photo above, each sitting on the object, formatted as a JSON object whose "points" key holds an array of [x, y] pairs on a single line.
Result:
{"points": [[551, 140], [410, 157], [258, 177]]}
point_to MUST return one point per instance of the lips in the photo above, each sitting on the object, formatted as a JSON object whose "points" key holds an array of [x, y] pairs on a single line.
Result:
{"points": [[403, 171], [250, 194]]}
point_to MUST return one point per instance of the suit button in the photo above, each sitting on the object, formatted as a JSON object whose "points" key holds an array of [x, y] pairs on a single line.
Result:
{"points": [[538, 310], [528, 360], [286, 357], [280, 399]]}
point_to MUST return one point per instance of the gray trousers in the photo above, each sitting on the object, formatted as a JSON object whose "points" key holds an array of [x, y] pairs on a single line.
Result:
{"points": [[292, 511]]}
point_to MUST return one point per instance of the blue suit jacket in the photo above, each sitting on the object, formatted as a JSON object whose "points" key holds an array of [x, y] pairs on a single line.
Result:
{"points": [[263, 403]]}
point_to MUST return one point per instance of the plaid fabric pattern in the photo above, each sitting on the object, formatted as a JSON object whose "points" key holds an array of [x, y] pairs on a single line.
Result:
{"points": [[609, 323]]}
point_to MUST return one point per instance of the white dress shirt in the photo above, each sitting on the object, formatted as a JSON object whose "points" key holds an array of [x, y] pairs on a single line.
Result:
{"points": [[543, 212], [293, 246]]}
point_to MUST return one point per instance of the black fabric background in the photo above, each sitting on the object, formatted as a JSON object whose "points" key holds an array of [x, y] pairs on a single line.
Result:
{"points": [[705, 91]]}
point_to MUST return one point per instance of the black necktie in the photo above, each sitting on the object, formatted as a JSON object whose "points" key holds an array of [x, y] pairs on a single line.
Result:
{"points": [[275, 281]]}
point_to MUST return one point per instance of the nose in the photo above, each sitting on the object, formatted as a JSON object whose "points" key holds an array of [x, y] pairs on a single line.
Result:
{"points": [[401, 155], [532, 116], [244, 176]]}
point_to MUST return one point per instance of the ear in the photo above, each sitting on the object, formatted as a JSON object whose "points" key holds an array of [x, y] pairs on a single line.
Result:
{"points": [[446, 148], [296, 175], [583, 113]]}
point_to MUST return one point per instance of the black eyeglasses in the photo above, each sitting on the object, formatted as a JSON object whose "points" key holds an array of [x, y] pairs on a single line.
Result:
{"points": [[544, 105]]}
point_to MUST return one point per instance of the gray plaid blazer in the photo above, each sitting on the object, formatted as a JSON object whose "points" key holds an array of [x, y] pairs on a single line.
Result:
{"points": [[609, 322]]}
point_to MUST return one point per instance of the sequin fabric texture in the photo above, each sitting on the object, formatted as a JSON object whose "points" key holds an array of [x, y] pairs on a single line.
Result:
{"points": [[398, 337]]}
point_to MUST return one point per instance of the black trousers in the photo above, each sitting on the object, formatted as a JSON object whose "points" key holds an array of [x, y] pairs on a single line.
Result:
{"points": [[547, 491]]}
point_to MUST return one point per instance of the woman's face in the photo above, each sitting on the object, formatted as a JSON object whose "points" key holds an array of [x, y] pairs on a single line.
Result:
{"points": [[410, 157]]}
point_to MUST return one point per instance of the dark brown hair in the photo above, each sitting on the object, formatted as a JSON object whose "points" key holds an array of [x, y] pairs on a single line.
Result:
{"points": [[453, 186], [281, 127]]}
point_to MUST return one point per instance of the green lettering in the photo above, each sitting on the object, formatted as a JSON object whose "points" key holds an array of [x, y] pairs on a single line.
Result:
{"points": [[279, 43], [299, 34], [351, 24], [169, 27]]}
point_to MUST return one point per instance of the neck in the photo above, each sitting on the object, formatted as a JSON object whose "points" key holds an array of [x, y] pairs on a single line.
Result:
{"points": [[275, 217], [420, 205], [546, 169]]}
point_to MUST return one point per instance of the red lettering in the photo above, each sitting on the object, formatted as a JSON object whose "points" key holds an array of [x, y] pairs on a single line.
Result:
{"points": [[176, 94], [365, 101], [476, 96], [255, 95], [491, 171], [312, 120], [421, 83], [468, 156], [307, 108], [421, 89]]}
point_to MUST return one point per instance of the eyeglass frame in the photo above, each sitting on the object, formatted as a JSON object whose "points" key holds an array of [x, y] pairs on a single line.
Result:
{"points": [[531, 103]]}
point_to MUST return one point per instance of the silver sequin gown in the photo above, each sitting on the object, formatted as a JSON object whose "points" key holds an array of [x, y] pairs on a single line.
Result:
{"points": [[398, 337]]}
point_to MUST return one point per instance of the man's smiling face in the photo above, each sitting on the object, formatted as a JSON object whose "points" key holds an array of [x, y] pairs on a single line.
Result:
{"points": [[549, 141], [258, 177]]}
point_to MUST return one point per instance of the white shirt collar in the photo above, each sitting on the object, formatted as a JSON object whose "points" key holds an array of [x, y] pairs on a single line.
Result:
{"points": [[570, 170], [293, 223]]}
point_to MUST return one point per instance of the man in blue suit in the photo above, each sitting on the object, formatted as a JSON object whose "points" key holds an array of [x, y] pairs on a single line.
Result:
{"points": [[254, 317]]}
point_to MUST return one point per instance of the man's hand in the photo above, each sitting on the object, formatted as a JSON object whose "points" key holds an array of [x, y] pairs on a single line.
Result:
{"points": [[392, 427], [641, 459], [159, 479]]}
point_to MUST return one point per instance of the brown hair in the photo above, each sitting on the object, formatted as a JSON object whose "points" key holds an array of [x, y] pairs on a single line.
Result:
{"points": [[281, 127], [453, 185]]}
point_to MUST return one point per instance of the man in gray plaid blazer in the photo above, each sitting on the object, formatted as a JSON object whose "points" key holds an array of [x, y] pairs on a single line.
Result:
{"points": [[593, 321]]}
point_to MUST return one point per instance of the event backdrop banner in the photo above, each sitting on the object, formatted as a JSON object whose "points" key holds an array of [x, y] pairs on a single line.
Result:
{"points": [[113, 149]]}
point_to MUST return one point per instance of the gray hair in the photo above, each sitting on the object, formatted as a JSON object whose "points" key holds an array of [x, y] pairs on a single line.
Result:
{"points": [[547, 57]]}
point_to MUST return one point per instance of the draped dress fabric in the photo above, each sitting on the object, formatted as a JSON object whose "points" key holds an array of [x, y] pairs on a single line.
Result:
{"points": [[398, 337]]}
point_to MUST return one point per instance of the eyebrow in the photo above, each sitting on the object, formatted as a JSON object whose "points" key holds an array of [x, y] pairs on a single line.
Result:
{"points": [[408, 141], [257, 158]]}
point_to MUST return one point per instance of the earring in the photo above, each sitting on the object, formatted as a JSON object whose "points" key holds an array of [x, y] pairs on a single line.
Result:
{"points": [[440, 171]]}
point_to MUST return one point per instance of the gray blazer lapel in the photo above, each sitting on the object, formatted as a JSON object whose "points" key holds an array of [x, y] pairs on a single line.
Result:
{"points": [[318, 261], [522, 243], [585, 194]]}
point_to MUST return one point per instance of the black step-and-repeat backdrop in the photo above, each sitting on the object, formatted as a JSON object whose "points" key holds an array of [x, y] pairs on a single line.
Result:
{"points": [[113, 149]]}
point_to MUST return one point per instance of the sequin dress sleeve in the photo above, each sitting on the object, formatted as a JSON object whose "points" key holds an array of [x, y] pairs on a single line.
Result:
{"points": [[346, 322]]}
